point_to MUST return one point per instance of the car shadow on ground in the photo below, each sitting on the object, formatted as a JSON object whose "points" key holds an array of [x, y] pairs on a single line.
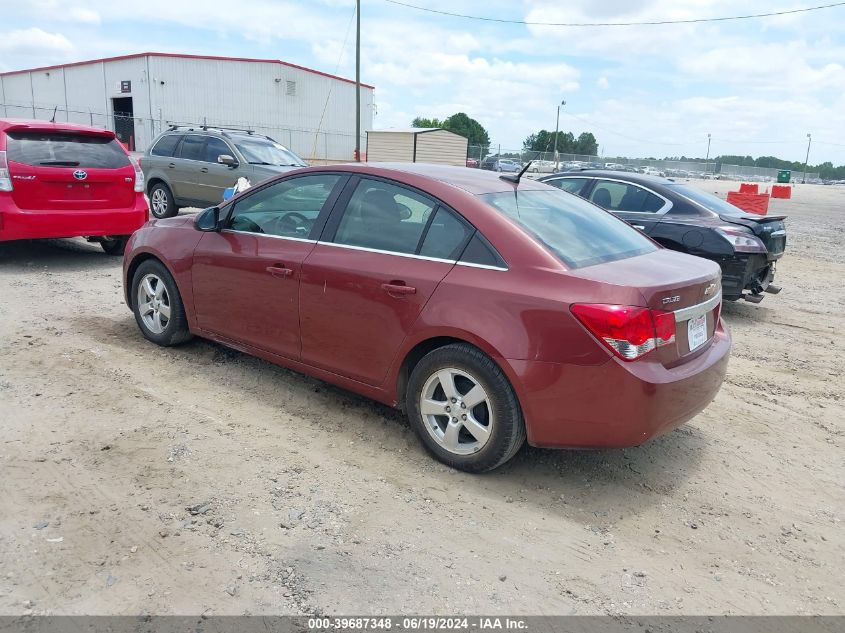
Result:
{"points": [[69, 255], [627, 480]]}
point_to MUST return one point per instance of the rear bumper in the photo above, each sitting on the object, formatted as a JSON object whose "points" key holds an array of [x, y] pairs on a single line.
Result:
{"points": [[616, 404], [747, 273], [26, 224]]}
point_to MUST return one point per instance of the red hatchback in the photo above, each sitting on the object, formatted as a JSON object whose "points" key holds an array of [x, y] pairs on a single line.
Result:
{"points": [[487, 309], [67, 180]]}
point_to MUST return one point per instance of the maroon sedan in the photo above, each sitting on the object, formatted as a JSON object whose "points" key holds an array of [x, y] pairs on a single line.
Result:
{"points": [[487, 309]]}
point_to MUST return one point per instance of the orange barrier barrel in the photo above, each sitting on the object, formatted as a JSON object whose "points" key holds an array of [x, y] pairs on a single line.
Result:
{"points": [[781, 191], [748, 187], [750, 202]]}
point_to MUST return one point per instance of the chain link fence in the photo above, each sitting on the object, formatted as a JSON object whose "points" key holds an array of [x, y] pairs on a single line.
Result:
{"points": [[545, 163], [136, 132]]}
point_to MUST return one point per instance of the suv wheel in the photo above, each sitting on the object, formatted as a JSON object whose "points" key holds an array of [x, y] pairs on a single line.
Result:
{"points": [[464, 410], [161, 202]]}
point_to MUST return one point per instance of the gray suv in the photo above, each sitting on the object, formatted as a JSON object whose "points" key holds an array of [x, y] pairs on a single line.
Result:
{"points": [[191, 166]]}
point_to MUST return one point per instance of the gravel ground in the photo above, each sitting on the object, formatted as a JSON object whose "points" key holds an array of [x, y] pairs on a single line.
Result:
{"points": [[200, 480]]}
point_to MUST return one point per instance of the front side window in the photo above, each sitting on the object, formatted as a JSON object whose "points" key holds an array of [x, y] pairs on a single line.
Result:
{"points": [[626, 197], [215, 148], [288, 208], [166, 145], [62, 149], [192, 147], [384, 217], [575, 231]]}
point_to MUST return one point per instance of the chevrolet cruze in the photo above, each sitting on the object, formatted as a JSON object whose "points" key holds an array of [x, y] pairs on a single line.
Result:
{"points": [[488, 308]]}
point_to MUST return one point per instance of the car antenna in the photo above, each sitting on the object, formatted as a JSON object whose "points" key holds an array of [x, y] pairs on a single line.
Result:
{"points": [[515, 179], [53, 120]]}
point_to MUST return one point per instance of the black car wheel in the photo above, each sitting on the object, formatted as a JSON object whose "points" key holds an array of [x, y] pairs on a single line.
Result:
{"points": [[161, 201], [464, 410], [114, 245]]}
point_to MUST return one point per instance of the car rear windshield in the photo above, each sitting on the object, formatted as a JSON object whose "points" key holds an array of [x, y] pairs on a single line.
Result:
{"points": [[579, 233], [62, 149], [706, 200]]}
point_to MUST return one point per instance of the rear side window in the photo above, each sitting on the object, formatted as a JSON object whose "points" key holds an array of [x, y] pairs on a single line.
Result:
{"points": [[60, 149], [192, 147], [480, 251], [445, 237], [621, 196], [577, 232], [166, 145]]}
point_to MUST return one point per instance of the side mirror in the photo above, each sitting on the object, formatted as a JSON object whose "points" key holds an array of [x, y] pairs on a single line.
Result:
{"points": [[208, 220], [226, 159]]}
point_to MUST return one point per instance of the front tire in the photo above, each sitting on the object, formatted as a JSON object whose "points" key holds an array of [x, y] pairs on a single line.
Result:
{"points": [[464, 410], [162, 204], [157, 305], [114, 245]]}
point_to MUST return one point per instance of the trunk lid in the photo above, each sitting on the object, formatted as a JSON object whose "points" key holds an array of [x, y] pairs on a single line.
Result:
{"points": [[68, 171], [770, 229], [689, 287]]}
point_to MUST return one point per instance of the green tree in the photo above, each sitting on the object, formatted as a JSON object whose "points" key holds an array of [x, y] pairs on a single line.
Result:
{"points": [[587, 144], [459, 123], [423, 122], [544, 141]]}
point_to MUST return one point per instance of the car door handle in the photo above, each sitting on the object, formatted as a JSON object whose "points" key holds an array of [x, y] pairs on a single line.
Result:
{"points": [[279, 270], [398, 288], [204, 170]]}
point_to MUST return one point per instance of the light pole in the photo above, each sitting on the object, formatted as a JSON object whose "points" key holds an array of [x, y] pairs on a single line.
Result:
{"points": [[358, 82], [557, 129], [807, 159], [708, 152]]}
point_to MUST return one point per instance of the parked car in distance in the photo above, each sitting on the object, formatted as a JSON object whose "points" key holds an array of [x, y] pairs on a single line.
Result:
{"points": [[685, 219], [67, 180], [190, 166], [542, 166], [652, 171], [488, 310], [494, 163], [471, 162]]}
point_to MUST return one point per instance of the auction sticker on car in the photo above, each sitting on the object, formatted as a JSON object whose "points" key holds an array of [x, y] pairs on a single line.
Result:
{"points": [[697, 332]]}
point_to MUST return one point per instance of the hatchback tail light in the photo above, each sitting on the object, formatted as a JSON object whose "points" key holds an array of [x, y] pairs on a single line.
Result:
{"points": [[630, 332], [5, 177], [139, 175]]}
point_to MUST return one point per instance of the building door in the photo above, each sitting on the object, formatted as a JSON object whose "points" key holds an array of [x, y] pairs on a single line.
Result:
{"points": [[124, 121]]}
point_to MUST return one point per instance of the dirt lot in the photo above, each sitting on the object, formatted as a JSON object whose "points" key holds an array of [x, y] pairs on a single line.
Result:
{"points": [[305, 498]]}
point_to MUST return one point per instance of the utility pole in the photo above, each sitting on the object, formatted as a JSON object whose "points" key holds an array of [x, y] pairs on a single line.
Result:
{"points": [[708, 152], [807, 159], [358, 81], [557, 129]]}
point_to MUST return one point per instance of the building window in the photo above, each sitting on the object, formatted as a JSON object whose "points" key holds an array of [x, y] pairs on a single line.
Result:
{"points": [[290, 88]]}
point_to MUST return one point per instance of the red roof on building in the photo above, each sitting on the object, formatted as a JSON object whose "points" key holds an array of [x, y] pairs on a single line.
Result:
{"points": [[184, 56]]}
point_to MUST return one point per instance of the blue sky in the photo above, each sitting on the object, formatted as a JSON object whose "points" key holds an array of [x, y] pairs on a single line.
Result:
{"points": [[757, 86]]}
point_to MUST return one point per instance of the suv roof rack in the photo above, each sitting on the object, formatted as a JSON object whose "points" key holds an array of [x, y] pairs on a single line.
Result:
{"points": [[196, 127]]}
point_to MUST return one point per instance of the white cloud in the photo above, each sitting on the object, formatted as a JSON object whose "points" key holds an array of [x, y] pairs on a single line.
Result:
{"points": [[34, 42], [603, 83]]}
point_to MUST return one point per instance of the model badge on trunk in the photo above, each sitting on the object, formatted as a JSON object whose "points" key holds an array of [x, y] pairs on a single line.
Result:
{"points": [[674, 299], [80, 174]]}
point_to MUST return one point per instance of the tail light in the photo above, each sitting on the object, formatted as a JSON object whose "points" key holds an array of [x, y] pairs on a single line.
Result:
{"points": [[630, 332], [5, 177], [139, 175], [742, 241]]}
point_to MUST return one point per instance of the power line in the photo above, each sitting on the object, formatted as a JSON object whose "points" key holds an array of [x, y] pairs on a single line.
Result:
{"points": [[650, 23]]}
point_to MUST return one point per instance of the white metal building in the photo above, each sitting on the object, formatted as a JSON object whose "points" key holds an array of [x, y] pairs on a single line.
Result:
{"points": [[417, 145], [137, 96]]}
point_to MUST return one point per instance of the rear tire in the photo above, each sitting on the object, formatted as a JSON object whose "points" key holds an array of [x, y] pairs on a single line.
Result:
{"points": [[162, 204], [464, 409], [114, 246], [157, 305]]}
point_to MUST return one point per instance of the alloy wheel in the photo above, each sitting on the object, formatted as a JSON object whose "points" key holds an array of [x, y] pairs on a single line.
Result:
{"points": [[456, 411], [153, 303], [158, 202]]}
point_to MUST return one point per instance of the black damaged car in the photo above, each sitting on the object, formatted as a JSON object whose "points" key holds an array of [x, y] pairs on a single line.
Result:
{"points": [[686, 219]]}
